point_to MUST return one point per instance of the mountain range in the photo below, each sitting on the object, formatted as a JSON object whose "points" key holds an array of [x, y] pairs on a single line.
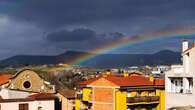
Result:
{"points": [[165, 57]]}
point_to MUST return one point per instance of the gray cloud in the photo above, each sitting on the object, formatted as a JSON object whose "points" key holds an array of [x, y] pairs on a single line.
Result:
{"points": [[50, 13], [75, 35], [24, 23]]}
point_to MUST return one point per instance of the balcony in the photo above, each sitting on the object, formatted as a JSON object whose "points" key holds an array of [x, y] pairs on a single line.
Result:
{"points": [[79, 96], [143, 99]]}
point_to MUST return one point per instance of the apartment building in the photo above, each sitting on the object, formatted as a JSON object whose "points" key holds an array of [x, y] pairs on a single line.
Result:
{"points": [[179, 85], [121, 92]]}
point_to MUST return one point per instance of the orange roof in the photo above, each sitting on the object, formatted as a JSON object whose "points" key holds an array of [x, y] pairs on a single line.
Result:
{"points": [[159, 82], [4, 78], [67, 93], [132, 80], [89, 81]]}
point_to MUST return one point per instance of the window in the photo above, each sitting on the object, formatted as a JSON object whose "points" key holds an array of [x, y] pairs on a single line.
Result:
{"points": [[23, 106], [128, 94], [138, 93], [39, 108], [26, 84]]}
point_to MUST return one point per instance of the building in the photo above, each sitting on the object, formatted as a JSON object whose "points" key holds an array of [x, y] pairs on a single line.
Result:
{"points": [[157, 71], [20, 100], [180, 90], [121, 92], [67, 99], [27, 82], [39, 101]]}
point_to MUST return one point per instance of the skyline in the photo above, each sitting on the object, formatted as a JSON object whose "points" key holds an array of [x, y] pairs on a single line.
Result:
{"points": [[46, 27]]}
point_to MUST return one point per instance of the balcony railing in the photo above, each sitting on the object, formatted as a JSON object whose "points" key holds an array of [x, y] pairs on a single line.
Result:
{"points": [[142, 99]]}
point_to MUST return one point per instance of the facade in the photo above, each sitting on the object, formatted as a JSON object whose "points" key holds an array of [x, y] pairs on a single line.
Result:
{"points": [[28, 80], [157, 71], [67, 99], [121, 92], [20, 100], [180, 90]]}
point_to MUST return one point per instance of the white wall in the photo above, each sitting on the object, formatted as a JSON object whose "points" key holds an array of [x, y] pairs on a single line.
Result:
{"points": [[11, 94], [33, 105], [179, 100], [182, 99]]}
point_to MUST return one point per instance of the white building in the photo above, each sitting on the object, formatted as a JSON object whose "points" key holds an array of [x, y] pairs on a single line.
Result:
{"points": [[26, 101], [179, 87], [158, 70]]}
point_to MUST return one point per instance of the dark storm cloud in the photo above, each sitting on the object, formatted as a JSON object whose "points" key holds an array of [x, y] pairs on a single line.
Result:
{"points": [[25, 22], [50, 13], [75, 35]]}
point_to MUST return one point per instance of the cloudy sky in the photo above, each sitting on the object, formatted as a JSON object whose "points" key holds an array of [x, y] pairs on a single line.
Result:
{"points": [[50, 27]]}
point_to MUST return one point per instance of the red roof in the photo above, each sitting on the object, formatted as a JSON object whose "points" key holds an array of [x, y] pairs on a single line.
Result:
{"points": [[159, 82], [41, 95], [132, 80], [4, 78], [89, 81]]}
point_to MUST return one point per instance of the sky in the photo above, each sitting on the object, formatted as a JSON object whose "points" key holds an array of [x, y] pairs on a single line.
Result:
{"points": [[51, 27]]}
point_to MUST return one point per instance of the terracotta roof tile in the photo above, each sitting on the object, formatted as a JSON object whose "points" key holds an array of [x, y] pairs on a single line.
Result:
{"points": [[89, 81], [132, 80], [159, 82], [67, 93], [4, 78], [41, 95]]}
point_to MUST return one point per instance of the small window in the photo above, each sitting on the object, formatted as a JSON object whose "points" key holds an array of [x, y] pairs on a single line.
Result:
{"points": [[27, 84], [39, 108], [23, 106]]}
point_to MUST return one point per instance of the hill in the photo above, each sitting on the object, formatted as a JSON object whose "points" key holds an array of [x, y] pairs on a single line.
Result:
{"points": [[165, 57]]}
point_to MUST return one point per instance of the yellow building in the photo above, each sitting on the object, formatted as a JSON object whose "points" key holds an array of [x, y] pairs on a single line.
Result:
{"points": [[122, 92]]}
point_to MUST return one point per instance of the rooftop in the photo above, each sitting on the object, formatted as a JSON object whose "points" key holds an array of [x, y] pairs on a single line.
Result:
{"points": [[4, 78], [131, 80]]}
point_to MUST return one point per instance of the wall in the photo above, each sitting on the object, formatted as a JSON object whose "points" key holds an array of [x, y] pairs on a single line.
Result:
{"points": [[161, 94], [11, 94], [37, 84], [121, 100], [103, 98], [33, 105], [179, 100], [66, 103], [192, 66]]}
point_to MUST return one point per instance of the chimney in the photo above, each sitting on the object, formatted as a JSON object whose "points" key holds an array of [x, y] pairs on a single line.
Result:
{"points": [[125, 74], [151, 78], [184, 45]]}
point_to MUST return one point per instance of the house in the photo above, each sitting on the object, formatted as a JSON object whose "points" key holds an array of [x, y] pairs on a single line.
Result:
{"points": [[157, 71], [29, 82], [180, 90], [39, 101], [121, 92], [66, 98]]}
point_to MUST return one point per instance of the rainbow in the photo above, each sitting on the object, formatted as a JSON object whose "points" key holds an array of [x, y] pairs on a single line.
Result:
{"points": [[132, 40]]}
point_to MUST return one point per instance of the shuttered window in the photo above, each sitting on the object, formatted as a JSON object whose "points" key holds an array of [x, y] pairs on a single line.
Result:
{"points": [[23, 106]]}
